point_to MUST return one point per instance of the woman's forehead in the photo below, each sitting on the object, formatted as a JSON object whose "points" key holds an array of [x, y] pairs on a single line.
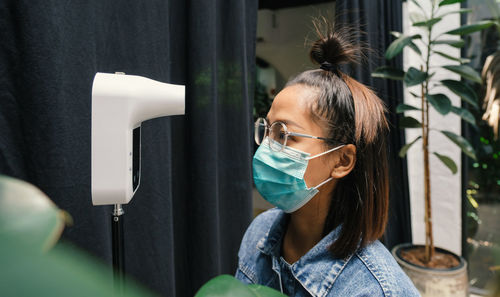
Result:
{"points": [[293, 105], [293, 101]]}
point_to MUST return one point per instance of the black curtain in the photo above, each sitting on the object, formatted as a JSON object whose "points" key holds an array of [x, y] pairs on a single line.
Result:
{"points": [[185, 223], [376, 18]]}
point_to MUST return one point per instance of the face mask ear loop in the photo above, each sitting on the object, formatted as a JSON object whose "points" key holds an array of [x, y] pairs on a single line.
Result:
{"points": [[324, 153], [327, 180]]}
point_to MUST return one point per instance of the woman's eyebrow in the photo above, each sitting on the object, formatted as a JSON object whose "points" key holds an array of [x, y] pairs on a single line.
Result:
{"points": [[286, 122], [292, 123]]}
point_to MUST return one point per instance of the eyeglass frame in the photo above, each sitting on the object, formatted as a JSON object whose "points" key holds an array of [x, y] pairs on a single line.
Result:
{"points": [[286, 133]]}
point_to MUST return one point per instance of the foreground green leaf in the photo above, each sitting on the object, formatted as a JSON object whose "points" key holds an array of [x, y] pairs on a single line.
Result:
{"points": [[463, 90], [448, 162], [466, 72], [405, 107], [404, 149], [440, 102], [263, 291], [464, 145], [467, 29], [389, 73], [409, 122], [63, 271], [30, 223], [465, 114], [28, 215], [414, 77], [398, 45], [228, 286]]}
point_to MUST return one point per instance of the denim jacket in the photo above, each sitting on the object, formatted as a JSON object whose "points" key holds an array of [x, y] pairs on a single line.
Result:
{"points": [[371, 271]]}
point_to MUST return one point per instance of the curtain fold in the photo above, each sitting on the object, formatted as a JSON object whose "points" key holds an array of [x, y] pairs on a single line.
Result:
{"points": [[376, 18], [185, 223]]}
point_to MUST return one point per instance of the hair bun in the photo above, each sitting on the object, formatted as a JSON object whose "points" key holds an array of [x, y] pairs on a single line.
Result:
{"points": [[335, 45]]}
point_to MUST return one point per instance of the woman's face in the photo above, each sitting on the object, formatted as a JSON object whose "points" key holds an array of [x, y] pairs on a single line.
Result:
{"points": [[292, 107]]}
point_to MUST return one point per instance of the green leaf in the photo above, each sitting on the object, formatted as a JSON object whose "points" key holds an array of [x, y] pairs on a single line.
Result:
{"points": [[412, 45], [440, 102], [467, 29], [226, 285], [263, 291], [405, 107], [458, 43], [28, 215], [448, 2], [414, 77], [448, 162], [465, 114], [396, 34], [460, 60], [466, 72], [415, 95], [29, 224], [415, 48], [464, 145], [428, 23], [462, 90], [462, 10], [63, 271], [397, 45], [409, 122], [389, 73], [404, 149]]}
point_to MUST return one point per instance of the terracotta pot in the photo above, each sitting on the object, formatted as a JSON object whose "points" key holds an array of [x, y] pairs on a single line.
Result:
{"points": [[434, 281]]}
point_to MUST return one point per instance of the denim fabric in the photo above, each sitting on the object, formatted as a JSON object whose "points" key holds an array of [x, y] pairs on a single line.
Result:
{"points": [[371, 271]]}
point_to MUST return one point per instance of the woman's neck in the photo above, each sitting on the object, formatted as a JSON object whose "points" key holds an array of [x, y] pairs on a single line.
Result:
{"points": [[305, 227]]}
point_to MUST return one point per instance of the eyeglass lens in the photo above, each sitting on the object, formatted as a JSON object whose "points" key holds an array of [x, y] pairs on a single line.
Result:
{"points": [[260, 130], [277, 134]]}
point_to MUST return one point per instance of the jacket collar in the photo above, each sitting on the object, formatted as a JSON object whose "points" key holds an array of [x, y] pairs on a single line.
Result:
{"points": [[317, 270], [270, 243]]}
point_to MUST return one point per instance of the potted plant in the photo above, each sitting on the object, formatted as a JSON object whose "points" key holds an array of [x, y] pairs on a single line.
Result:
{"points": [[434, 271]]}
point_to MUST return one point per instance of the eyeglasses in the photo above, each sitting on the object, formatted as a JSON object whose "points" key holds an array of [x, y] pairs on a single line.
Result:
{"points": [[277, 132]]}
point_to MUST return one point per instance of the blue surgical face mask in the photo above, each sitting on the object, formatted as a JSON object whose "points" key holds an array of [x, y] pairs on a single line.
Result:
{"points": [[279, 176]]}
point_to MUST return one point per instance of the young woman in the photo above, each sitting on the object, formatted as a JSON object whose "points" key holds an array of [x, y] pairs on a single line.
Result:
{"points": [[322, 162]]}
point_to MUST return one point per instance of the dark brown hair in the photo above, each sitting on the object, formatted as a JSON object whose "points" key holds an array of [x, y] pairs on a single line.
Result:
{"points": [[351, 114]]}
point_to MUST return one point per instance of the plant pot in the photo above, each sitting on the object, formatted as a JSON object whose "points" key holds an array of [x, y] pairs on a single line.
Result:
{"points": [[434, 281]]}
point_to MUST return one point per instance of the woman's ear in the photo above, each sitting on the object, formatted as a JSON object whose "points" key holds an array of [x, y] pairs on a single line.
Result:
{"points": [[345, 161]]}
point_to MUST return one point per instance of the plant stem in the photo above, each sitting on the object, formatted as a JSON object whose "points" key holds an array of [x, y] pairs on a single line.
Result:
{"points": [[425, 147], [429, 240]]}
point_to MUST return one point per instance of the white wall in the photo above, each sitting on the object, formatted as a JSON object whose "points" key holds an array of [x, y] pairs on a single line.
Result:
{"points": [[445, 187]]}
